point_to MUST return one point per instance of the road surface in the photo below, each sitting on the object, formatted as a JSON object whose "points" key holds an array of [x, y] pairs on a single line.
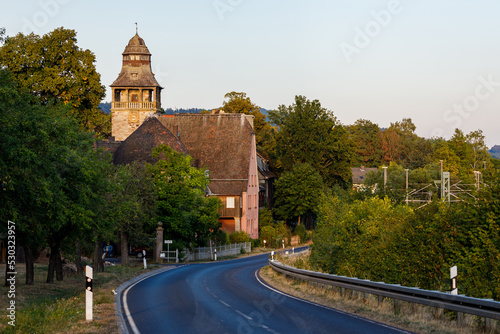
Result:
{"points": [[229, 297]]}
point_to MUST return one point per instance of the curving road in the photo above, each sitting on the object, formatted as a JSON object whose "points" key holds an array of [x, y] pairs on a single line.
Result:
{"points": [[229, 297]]}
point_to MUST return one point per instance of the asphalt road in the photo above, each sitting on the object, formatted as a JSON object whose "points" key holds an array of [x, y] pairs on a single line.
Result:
{"points": [[229, 297]]}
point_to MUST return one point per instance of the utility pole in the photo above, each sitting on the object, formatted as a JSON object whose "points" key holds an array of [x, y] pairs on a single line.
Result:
{"points": [[406, 170], [385, 176]]}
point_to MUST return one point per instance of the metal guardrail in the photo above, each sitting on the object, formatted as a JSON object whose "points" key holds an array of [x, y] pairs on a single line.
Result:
{"points": [[487, 308]]}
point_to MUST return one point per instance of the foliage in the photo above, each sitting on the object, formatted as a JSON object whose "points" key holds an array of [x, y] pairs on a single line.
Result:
{"points": [[268, 233], [367, 140], [52, 67], [52, 177], [189, 218], [301, 231], [311, 134], [239, 103], [131, 204], [238, 237], [297, 192], [265, 217], [378, 240]]}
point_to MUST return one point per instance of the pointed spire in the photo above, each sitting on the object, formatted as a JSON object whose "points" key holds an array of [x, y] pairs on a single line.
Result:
{"points": [[136, 29]]}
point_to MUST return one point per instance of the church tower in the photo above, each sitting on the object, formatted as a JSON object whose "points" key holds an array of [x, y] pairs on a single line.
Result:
{"points": [[135, 93]]}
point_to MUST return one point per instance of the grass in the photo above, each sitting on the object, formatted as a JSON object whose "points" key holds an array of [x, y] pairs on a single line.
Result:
{"points": [[60, 307], [409, 316]]}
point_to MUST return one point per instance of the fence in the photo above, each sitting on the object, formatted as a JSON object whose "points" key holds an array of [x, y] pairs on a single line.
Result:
{"points": [[207, 253], [170, 256], [487, 308]]}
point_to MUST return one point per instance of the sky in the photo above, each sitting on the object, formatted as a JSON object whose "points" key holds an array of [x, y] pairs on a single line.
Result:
{"points": [[436, 62]]}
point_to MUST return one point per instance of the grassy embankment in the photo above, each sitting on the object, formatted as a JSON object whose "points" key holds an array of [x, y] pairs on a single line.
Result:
{"points": [[60, 307], [412, 317]]}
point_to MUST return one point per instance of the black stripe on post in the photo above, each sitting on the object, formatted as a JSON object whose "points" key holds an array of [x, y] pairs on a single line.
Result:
{"points": [[88, 284]]}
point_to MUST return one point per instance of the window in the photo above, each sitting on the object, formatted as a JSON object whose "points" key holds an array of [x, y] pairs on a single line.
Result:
{"points": [[134, 98], [230, 203]]}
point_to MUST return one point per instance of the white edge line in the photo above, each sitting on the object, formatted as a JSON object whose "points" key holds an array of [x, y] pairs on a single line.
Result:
{"points": [[133, 326], [326, 307]]}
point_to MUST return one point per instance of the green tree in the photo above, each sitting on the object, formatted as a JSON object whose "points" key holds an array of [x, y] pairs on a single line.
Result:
{"points": [[239, 103], [367, 139], [50, 173], [311, 134], [53, 67], [297, 192], [131, 205], [189, 218]]}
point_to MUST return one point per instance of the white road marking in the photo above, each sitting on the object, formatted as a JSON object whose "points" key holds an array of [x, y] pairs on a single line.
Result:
{"points": [[224, 303], [325, 307], [131, 321]]}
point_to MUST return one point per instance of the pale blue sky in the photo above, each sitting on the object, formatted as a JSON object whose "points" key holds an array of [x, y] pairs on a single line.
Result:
{"points": [[436, 62]]}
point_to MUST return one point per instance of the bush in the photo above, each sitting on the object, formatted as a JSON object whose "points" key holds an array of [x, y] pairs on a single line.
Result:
{"points": [[265, 218], [268, 233], [239, 237], [300, 230]]}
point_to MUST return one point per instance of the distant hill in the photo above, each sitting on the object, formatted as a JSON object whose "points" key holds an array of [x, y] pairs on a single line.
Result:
{"points": [[105, 107], [495, 151], [170, 111]]}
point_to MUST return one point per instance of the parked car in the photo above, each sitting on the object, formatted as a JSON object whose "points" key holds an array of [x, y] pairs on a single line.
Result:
{"points": [[138, 251]]}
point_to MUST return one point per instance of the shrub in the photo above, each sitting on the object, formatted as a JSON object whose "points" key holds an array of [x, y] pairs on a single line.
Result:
{"points": [[300, 230], [238, 237]]}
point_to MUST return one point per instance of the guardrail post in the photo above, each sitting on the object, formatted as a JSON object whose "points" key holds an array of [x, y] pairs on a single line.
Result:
{"points": [[460, 319], [397, 306], [380, 300]]}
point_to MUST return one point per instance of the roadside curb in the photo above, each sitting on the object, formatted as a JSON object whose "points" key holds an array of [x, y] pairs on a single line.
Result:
{"points": [[122, 325]]}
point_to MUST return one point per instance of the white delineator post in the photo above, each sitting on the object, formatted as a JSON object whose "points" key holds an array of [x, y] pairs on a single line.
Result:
{"points": [[215, 254], [144, 259], [272, 256], [88, 292], [453, 276]]}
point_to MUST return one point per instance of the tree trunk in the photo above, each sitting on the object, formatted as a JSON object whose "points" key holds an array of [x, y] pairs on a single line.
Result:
{"points": [[124, 247], [9, 267], [52, 264], [30, 270], [78, 258], [98, 260], [59, 270]]}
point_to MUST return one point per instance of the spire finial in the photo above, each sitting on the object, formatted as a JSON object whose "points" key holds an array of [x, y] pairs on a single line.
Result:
{"points": [[136, 29]]}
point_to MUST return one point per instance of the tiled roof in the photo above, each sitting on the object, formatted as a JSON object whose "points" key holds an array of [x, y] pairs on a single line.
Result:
{"points": [[221, 143], [136, 45], [137, 76], [359, 173], [140, 144]]}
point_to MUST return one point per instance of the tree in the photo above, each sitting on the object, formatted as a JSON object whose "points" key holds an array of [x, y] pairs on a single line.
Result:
{"points": [[189, 218], [49, 171], [53, 67], [367, 139], [239, 103], [311, 134], [2, 34], [297, 192], [131, 205]]}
